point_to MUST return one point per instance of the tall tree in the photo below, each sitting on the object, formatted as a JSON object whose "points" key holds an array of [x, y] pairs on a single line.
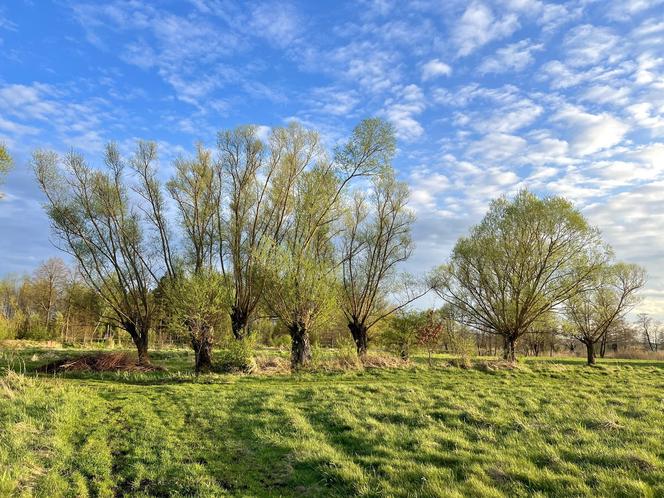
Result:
{"points": [[197, 294], [376, 239], [299, 272], [651, 331], [611, 294], [526, 257], [306, 249], [257, 181], [99, 223]]}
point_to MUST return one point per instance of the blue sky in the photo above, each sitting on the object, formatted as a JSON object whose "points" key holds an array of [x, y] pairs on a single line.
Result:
{"points": [[486, 96]]}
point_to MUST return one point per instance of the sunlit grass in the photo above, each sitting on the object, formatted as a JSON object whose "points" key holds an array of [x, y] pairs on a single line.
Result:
{"points": [[549, 427]]}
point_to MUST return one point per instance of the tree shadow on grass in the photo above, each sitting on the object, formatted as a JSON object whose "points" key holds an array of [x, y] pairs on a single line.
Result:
{"points": [[249, 460]]}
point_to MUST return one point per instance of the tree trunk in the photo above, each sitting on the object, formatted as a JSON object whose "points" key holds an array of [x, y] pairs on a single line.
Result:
{"points": [[142, 348], [300, 346], [202, 345], [590, 350], [239, 321], [602, 346], [359, 332], [509, 349], [140, 338]]}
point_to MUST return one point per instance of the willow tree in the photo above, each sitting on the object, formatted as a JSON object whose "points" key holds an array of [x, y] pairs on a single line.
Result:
{"points": [[299, 272], [304, 262], [96, 219], [197, 294], [257, 179], [611, 293], [375, 240], [526, 257]]}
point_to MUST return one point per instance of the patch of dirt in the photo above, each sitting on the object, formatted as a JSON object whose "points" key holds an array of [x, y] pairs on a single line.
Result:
{"points": [[99, 362]]}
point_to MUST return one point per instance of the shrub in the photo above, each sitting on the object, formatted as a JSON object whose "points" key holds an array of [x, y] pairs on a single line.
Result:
{"points": [[400, 335], [237, 357]]}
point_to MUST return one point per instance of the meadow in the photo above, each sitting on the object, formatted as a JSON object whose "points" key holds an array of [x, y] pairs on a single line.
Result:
{"points": [[547, 427]]}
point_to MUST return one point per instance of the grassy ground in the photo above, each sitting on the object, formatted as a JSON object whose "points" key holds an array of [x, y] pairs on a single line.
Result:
{"points": [[548, 428]]}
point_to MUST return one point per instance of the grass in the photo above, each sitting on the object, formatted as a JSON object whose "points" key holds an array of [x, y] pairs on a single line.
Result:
{"points": [[546, 428]]}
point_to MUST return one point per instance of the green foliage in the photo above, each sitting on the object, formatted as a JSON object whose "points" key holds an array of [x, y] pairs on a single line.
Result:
{"points": [[238, 356], [195, 302], [400, 334], [527, 256]]}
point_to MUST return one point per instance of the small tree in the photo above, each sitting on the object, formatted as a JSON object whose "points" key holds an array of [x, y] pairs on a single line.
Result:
{"points": [[197, 307], [50, 280], [611, 294], [400, 334], [526, 257], [430, 332], [651, 331]]}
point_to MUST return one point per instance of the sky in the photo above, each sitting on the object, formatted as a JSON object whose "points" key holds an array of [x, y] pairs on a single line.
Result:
{"points": [[487, 97]]}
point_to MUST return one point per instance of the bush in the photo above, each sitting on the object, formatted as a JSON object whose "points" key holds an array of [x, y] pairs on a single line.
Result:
{"points": [[237, 357], [400, 335]]}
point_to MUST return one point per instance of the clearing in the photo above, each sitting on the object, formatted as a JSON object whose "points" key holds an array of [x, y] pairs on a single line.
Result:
{"points": [[550, 427]]}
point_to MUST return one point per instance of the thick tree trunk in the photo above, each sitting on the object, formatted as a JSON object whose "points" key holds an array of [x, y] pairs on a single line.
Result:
{"points": [[239, 321], [509, 348], [140, 338], [590, 350], [359, 332], [141, 343], [300, 346], [202, 344]]}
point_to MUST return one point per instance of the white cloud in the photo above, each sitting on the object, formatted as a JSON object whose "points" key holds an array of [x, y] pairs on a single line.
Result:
{"points": [[434, 68], [588, 45], [607, 94], [278, 22], [591, 133], [401, 112], [513, 57], [622, 10], [478, 26]]}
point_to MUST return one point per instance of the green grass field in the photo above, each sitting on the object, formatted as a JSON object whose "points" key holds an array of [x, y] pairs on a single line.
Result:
{"points": [[546, 428]]}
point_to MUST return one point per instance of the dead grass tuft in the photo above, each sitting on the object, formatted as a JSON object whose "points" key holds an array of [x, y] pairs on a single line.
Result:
{"points": [[268, 364], [383, 360]]}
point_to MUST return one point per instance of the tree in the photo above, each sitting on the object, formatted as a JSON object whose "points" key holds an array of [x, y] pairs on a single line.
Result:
{"points": [[299, 273], [376, 239], [306, 253], [197, 306], [96, 220], [650, 330], [430, 333], [400, 334], [611, 294], [542, 333], [526, 257], [5, 163], [51, 279], [198, 295], [257, 182]]}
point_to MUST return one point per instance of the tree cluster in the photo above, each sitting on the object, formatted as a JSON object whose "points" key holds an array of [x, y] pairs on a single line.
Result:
{"points": [[275, 227]]}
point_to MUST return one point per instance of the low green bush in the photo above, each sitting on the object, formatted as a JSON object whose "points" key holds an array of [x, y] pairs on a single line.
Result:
{"points": [[238, 356]]}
